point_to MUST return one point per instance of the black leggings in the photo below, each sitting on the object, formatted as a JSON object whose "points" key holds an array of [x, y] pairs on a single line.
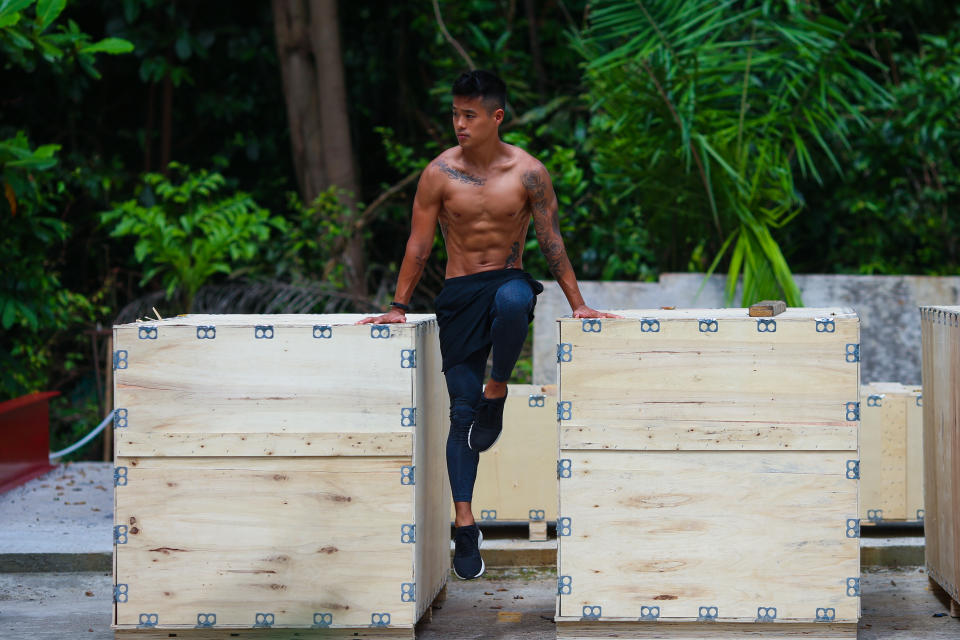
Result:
{"points": [[511, 317]]}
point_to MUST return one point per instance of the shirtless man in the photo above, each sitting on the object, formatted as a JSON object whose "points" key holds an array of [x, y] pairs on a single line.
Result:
{"points": [[483, 193]]}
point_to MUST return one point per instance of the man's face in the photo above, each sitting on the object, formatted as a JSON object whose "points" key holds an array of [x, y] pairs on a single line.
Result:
{"points": [[472, 122]]}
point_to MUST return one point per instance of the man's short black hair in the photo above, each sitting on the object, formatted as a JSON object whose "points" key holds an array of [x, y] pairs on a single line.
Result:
{"points": [[482, 84]]}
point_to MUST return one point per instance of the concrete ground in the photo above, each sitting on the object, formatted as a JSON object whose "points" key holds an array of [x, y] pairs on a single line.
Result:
{"points": [[898, 604]]}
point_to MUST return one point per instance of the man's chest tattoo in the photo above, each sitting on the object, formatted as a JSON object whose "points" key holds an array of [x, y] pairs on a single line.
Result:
{"points": [[460, 176]]}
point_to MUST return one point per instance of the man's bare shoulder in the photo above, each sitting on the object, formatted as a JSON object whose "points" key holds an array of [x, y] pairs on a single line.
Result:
{"points": [[449, 165], [525, 163]]}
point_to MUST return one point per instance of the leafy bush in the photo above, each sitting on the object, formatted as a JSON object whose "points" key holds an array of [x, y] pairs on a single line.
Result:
{"points": [[187, 231]]}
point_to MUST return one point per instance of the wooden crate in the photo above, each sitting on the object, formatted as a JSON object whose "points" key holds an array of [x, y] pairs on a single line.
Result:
{"points": [[891, 453], [708, 474], [940, 329], [278, 472], [517, 478]]}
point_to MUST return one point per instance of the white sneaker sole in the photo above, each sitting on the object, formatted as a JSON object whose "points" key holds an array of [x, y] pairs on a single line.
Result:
{"points": [[470, 433], [483, 566]]}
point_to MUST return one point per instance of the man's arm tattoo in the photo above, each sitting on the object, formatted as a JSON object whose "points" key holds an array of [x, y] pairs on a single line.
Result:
{"points": [[514, 255], [460, 176], [547, 224]]}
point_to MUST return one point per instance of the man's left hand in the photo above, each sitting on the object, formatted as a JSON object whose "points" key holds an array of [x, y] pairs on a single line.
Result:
{"points": [[586, 312]]}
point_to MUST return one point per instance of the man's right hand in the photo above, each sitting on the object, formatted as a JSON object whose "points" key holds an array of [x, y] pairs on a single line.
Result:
{"points": [[393, 316]]}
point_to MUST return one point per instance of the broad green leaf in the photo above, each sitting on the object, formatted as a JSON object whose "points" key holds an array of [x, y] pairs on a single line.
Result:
{"points": [[109, 45], [11, 7], [47, 12]]}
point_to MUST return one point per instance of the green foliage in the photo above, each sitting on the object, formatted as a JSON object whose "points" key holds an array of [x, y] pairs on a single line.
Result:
{"points": [[894, 209], [27, 31], [187, 231], [704, 112]]}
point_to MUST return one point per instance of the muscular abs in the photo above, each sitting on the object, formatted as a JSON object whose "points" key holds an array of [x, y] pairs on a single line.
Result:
{"points": [[483, 219]]}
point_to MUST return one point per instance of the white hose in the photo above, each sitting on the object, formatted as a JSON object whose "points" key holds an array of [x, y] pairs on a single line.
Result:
{"points": [[87, 438]]}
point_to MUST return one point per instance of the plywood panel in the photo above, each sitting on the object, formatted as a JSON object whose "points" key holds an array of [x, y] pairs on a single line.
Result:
{"points": [[235, 383], [891, 460], [519, 474], [735, 376], [693, 435], [883, 460], [268, 634], [432, 485], [277, 444], [238, 536], [733, 530], [915, 453], [940, 328], [700, 631]]}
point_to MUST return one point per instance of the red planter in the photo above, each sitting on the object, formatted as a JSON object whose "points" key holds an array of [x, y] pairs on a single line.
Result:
{"points": [[24, 439]]}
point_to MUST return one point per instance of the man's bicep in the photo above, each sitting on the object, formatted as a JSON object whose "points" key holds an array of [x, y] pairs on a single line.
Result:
{"points": [[427, 204], [542, 199]]}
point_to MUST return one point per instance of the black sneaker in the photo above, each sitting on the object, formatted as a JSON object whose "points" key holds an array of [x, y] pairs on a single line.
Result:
{"points": [[488, 425], [467, 563]]}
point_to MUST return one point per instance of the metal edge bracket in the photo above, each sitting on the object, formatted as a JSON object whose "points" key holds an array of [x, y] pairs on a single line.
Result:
{"points": [[408, 417], [564, 352], [825, 614], [649, 325], [322, 331], [488, 514], [147, 333], [564, 468], [853, 352], [875, 515], [120, 592], [380, 331], [536, 400], [875, 400], [206, 620], [120, 477], [649, 613], [591, 325], [564, 585], [708, 325], [766, 614], [120, 534], [563, 526], [408, 533], [709, 613], [263, 332], [263, 620], [591, 612], [853, 587], [853, 411], [322, 620], [379, 619], [148, 620], [120, 418], [536, 515], [206, 332], [826, 325], [853, 527], [120, 359], [853, 469], [407, 475], [564, 410], [408, 592], [408, 358], [766, 325]]}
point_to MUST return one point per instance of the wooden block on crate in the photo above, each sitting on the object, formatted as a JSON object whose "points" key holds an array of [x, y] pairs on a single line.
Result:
{"points": [[891, 453], [767, 308], [538, 530], [708, 465], [278, 472], [940, 331], [517, 478]]}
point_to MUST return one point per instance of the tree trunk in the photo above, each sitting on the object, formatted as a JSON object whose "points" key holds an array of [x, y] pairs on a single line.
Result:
{"points": [[300, 91], [308, 47], [335, 131]]}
